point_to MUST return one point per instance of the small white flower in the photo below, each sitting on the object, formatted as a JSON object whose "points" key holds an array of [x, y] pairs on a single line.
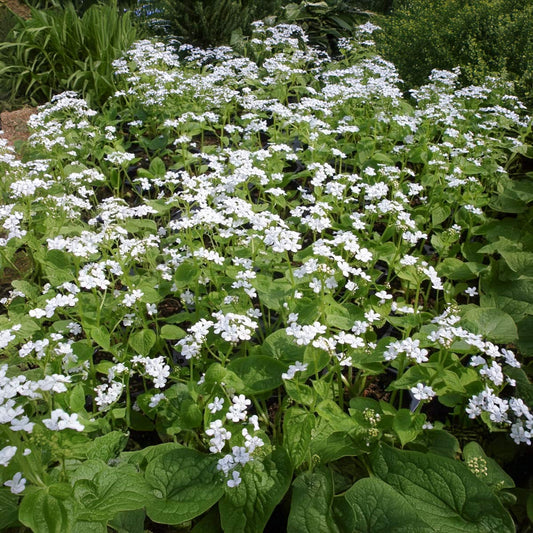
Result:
{"points": [[422, 392], [216, 405], [17, 484], [6, 454], [236, 479], [471, 291]]}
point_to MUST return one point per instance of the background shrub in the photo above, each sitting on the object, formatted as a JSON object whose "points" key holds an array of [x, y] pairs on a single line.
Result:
{"points": [[482, 36], [209, 22], [57, 50], [325, 22]]}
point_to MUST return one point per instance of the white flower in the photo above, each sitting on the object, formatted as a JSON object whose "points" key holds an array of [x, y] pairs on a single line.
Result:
{"points": [[60, 420], [291, 372], [422, 392], [156, 399], [6, 454], [471, 291], [216, 405], [17, 484], [236, 479]]}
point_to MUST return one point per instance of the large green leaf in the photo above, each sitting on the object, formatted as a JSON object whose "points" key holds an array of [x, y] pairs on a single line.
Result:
{"points": [[486, 468], [280, 346], [312, 496], [297, 426], [8, 508], [45, 513], [445, 493], [372, 506], [336, 434], [259, 373], [107, 446], [184, 483], [492, 323], [142, 341], [109, 492], [247, 507]]}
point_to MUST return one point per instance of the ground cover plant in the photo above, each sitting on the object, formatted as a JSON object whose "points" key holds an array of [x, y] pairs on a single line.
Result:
{"points": [[246, 295]]}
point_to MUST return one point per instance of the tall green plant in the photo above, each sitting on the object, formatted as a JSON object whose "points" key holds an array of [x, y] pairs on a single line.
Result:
{"points": [[58, 50]]}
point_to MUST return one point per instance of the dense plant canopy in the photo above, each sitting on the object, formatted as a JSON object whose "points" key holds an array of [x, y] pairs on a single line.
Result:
{"points": [[268, 292]]}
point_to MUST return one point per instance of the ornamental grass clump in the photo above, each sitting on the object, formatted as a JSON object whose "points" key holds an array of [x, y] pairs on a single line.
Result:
{"points": [[248, 277]]}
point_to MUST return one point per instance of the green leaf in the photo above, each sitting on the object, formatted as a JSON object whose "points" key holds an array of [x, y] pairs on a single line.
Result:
{"points": [[444, 491], [57, 267], [456, 269], [372, 506], [407, 425], [415, 374], [109, 492], [142, 341], [108, 446], [259, 373], [141, 458], [521, 262], [272, 293], [184, 484], [512, 297], [312, 496], [338, 316], [492, 323], [336, 434], [44, 513], [157, 167], [8, 508], [101, 337], [297, 426], [439, 213], [247, 507], [485, 468], [89, 526], [280, 346], [437, 441], [129, 521], [300, 392], [186, 274], [172, 332], [77, 398]]}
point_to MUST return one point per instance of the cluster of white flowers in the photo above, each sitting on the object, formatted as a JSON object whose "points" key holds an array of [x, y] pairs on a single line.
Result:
{"points": [[155, 367], [233, 327], [58, 301], [409, 347], [220, 435]]}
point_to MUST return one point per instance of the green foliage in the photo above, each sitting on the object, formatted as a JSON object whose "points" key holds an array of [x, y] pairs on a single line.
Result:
{"points": [[278, 285], [57, 50], [482, 37], [81, 5], [210, 22], [7, 20], [247, 508], [184, 484], [442, 491], [325, 21]]}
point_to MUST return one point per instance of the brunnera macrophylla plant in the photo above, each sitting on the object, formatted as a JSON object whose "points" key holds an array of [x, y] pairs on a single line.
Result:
{"points": [[254, 279]]}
